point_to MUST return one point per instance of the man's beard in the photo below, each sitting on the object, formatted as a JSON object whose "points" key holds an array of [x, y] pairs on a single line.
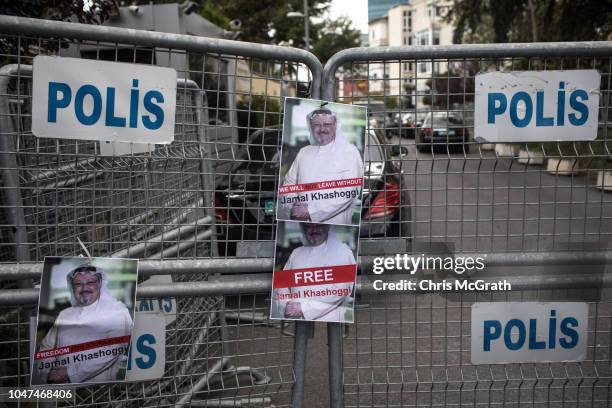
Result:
{"points": [[86, 299], [316, 240]]}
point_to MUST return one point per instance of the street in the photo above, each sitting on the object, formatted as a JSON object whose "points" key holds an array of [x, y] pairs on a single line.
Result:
{"points": [[481, 203]]}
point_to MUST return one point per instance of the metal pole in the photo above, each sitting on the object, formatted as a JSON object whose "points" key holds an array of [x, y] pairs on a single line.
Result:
{"points": [[306, 26], [10, 171], [58, 29], [303, 331], [336, 365]]}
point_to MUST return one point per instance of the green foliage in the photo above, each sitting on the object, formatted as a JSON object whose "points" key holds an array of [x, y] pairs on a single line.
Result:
{"points": [[62, 10], [265, 21], [264, 111], [334, 36], [391, 102], [452, 87], [214, 13], [58, 9], [528, 20]]}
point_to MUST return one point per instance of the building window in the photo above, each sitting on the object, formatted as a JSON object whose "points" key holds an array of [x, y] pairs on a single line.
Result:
{"points": [[410, 21], [422, 37], [436, 37]]}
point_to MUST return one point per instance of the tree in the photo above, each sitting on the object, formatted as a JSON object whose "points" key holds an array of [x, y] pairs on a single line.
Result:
{"points": [[451, 88], [87, 12], [265, 21], [334, 36], [530, 20]]}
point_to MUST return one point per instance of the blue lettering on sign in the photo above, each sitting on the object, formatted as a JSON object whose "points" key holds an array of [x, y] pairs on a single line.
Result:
{"points": [[154, 109], [569, 332], [165, 305], [497, 106], [515, 333], [79, 107], [142, 347], [145, 305], [514, 345], [60, 97], [492, 331], [54, 102]]}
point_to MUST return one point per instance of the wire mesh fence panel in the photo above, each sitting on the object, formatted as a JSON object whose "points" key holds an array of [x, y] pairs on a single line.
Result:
{"points": [[242, 358], [477, 196], [415, 351], [204, 196], [454, 195]]}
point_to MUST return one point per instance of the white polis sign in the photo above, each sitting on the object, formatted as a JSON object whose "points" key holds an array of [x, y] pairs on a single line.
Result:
{"points": [[100, 100], [148, 349], [536, 106], [529, 332]]}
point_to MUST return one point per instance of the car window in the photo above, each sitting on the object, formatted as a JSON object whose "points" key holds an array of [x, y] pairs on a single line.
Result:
{"points": [[260, 152], [374, 151], [442, 120]]}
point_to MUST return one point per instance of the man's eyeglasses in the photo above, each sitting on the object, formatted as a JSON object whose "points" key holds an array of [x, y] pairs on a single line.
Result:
{"points": [[324, 126]]}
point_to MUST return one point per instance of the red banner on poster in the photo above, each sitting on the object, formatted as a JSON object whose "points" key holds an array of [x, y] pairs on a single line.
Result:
{"points": [[75, 348], [321, 275], [320, 185]]}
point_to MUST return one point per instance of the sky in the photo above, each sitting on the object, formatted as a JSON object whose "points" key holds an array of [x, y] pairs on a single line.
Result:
{"points": [[356, 10]]}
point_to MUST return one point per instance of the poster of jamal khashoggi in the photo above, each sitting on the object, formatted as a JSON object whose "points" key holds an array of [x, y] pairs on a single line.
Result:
{"points": [[318, 211], [85, 320], [321, 166]]}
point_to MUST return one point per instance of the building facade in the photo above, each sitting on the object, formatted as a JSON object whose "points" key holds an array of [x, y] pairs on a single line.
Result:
{"points": [[409, 23], [379, 8]]}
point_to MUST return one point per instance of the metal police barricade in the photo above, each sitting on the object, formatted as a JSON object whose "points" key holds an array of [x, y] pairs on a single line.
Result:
{"points": [[199, 209], [182, 208], [519, 206]]}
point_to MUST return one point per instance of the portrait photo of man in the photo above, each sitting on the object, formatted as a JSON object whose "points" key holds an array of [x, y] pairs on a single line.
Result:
{"points": [[88, 340], [323, 251], [323, 181]]}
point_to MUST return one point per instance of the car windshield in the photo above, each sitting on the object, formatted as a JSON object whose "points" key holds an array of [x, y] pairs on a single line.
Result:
{"points": [[442, 119]]}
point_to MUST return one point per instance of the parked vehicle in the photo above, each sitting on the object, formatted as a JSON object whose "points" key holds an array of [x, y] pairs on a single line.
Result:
{"points": [[245, 204], [442, 129]]}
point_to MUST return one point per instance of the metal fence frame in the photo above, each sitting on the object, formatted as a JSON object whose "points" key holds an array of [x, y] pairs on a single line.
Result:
{"points": [[322, 86], [460, 51], [78, 32]]}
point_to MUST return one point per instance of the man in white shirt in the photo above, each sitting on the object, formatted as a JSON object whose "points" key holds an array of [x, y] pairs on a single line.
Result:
{"points": [[329, 157], [94, 316], [321, 249]]}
